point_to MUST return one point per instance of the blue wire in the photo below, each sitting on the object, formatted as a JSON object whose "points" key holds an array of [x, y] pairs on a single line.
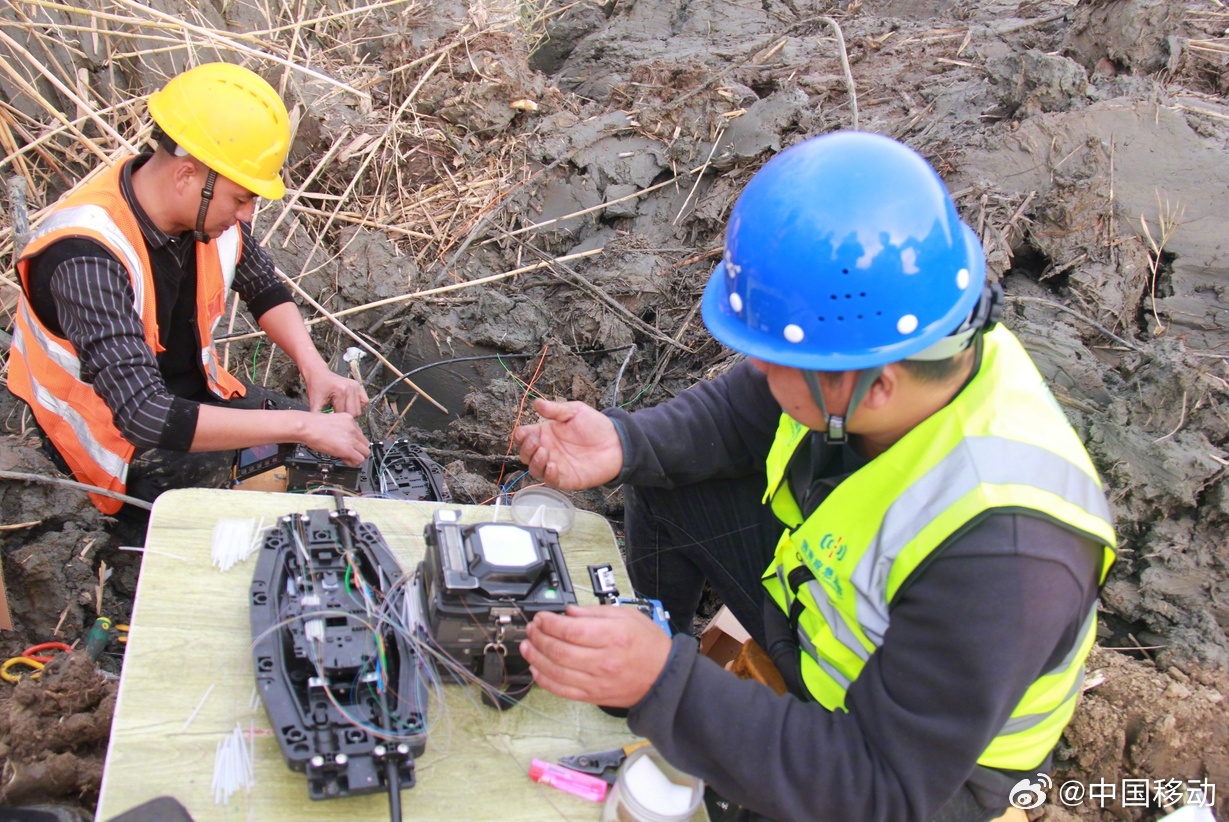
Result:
{"points": [[510, 484]]}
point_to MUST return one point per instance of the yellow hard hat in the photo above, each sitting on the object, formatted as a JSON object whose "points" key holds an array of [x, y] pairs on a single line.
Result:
{"points": [[231, 120]]}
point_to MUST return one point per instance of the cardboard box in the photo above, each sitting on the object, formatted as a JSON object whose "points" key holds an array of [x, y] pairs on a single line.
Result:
{"points": [[723, 638]]}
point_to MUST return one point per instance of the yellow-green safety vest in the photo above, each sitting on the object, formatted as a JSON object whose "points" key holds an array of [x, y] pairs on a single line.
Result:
{"points": [[1002, 444]]}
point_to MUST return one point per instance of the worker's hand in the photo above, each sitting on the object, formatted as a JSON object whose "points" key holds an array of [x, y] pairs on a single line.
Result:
{"points": [[324, 388], [575, 446], [338, 435], [604, 654]]}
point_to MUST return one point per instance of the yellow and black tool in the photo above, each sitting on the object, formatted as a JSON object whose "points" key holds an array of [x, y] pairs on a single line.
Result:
{"points": [[602, 763]]}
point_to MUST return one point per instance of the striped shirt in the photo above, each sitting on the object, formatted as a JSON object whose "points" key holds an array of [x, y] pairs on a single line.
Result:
{"points": [[82, 292]]}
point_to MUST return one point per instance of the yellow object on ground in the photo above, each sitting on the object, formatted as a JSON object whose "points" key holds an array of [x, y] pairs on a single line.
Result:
{"points": [[9, 675]]}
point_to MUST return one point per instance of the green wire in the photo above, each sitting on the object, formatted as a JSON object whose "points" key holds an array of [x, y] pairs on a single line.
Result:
{"points": [[532, 392], [383, 657], [252, 367], [633, 399]]}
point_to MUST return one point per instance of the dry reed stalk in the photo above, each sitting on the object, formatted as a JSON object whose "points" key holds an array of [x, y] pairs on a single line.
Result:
{"points": [[67, 92], [9, 143], [35, 144], [444, 289], [355, 219], [311, 22], [366, 346], [230, 41], [296, 194], [371, 153]]}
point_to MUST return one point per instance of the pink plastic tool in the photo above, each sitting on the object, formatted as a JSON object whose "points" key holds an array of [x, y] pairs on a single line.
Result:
{"points": [[565, 779]]}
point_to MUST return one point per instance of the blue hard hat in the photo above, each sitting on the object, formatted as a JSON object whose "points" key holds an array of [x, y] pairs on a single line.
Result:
{"points": [[843, 252]]}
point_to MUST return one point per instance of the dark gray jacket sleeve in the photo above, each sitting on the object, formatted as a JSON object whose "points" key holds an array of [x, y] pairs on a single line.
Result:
{"points": [[997, 608], [717, 428]]}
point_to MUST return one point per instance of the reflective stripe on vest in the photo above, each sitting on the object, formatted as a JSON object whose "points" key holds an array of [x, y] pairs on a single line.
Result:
{"points": [[1001, 444], [113, 464], [95, 219], [56, 352], [229, 248]]}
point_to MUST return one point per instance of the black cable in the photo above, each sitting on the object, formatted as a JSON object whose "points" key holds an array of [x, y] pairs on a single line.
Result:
{"points": [[391, 771], [374, 400]]}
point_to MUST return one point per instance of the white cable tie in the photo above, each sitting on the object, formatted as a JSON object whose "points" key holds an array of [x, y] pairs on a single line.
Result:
{"points": [[233, 542], [251, 754], [138, 549], [232, 767], [199, 705]]}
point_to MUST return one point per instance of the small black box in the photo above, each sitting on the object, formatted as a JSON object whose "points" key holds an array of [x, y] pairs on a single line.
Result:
{"points": [[309, 470]]}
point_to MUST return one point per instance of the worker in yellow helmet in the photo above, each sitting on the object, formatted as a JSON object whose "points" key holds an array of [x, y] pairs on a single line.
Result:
{"points": [[124, 282], [884, 493]]}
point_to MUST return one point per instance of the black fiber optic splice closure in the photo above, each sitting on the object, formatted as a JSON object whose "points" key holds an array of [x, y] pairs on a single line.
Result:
{"points": [[348, 716], [398, 469], [481, 584], [395, 469]]}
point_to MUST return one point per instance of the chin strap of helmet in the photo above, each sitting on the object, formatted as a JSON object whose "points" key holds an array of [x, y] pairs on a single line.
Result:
{"points": [[164, 141], [206, 196], [981, 319], [836, 422]]}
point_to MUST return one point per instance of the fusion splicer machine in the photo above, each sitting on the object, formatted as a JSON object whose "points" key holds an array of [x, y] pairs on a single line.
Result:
{"points": [[604, 588], [481, 585]]}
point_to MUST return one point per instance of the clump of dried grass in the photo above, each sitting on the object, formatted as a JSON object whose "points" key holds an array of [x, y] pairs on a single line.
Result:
{"points": [[394, 169]]}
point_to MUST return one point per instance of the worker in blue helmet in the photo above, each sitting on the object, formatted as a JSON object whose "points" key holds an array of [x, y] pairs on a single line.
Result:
{"points": [[884, 493]]}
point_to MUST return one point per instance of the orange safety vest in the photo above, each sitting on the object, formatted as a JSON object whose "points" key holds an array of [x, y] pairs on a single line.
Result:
{"points": [[44, 368]]}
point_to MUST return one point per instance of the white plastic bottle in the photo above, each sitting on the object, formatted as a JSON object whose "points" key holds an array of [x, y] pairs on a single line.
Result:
{"points": [[649, 789]]}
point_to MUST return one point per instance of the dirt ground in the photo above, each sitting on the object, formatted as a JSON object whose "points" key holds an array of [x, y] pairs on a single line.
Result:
{"points": [[438, 143]]}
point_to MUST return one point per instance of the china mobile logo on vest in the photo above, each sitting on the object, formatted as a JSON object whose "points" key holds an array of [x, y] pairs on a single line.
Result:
{"points": [[832, 549], [1027, 795]]}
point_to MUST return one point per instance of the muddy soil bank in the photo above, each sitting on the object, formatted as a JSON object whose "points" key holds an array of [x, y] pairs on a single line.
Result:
{"points": [[1086, 144]]}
